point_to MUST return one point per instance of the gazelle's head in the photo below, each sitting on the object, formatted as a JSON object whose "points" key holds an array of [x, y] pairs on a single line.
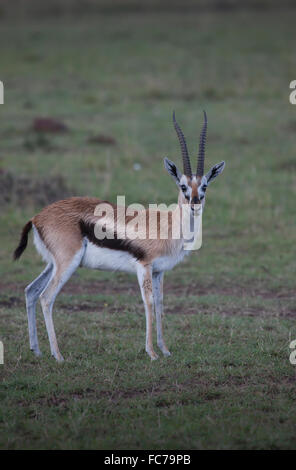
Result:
{"points": [[192, 187]]}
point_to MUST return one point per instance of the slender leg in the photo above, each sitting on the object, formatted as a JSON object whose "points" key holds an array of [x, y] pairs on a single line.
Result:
{"points": [[63, 272], [32, 293], [144, 273], [157, 282]]}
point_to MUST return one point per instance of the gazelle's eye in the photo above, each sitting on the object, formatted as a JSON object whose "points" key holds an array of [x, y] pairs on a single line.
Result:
{"points": [[204, 187], [183, 187]]}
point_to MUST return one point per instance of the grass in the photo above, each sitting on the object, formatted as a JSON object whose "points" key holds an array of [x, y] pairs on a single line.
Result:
{"points": [[230, 307]]}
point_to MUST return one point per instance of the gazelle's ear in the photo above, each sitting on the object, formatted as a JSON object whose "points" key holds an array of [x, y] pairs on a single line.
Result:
{"points": [[215, 171], [172, 170]]}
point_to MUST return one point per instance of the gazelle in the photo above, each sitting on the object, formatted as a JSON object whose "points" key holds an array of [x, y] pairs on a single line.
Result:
{"points": [[64, 234]]}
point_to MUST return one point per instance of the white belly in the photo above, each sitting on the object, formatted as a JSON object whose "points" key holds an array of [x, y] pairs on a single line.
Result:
{"points": [[106, 259]]}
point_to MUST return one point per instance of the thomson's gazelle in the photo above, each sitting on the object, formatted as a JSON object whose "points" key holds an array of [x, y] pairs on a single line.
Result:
{"points": [[65, 236]]}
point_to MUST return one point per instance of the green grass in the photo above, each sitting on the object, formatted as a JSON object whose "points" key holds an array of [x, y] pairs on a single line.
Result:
{"points": [[231, 306], [228, 384]]}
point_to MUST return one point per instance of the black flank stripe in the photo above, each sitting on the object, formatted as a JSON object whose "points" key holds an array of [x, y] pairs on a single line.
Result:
{"points": [[88, 230]]}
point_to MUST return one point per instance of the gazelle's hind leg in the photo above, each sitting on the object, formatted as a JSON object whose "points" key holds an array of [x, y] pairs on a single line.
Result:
{"points": [[32, 293], [63, 271]]}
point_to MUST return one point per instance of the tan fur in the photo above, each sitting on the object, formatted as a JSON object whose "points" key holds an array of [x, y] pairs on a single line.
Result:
{"points": [[58, 227], [70, 233]]}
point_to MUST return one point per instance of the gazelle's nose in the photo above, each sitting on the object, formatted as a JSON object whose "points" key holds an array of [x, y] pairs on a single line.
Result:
{"points": [[194, 201]]}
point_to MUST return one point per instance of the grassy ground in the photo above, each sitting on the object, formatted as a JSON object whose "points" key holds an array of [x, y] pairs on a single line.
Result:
{"points": [[230, 307]]}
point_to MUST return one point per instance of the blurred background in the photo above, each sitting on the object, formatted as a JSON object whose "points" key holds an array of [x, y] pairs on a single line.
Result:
{"points": [[89, 90]]}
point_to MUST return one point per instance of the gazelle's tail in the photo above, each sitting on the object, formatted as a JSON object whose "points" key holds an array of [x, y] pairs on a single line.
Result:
{"points": [[23, 241]]}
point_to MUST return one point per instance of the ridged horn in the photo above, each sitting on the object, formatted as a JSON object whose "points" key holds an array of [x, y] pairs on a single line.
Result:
{"points": [[184, 150], [202, 145]]}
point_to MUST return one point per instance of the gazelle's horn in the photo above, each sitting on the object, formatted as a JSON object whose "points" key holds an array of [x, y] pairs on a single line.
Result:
{"points": [[184, 150], [202, 145]]}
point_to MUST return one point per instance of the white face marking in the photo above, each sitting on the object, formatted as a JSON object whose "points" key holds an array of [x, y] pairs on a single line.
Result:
{"points": [[183, 180], [184, 183], [202, 188]]}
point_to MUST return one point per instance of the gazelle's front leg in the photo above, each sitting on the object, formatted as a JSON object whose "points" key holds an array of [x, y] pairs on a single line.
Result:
{"points": [[157, 281], [144, 273]]}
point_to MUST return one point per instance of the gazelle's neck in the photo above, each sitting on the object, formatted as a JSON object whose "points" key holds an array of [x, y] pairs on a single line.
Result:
{"points": [[190, 225]]}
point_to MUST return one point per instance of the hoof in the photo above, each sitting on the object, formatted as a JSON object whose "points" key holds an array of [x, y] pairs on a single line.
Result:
{"points": [[154, 358], [153, 355], [58, 358], [37, 352], [164, 350], [166, 353]]}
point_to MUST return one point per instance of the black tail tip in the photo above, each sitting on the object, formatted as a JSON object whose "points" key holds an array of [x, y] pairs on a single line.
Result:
{"points": [[23, 241], [17, 253]]}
